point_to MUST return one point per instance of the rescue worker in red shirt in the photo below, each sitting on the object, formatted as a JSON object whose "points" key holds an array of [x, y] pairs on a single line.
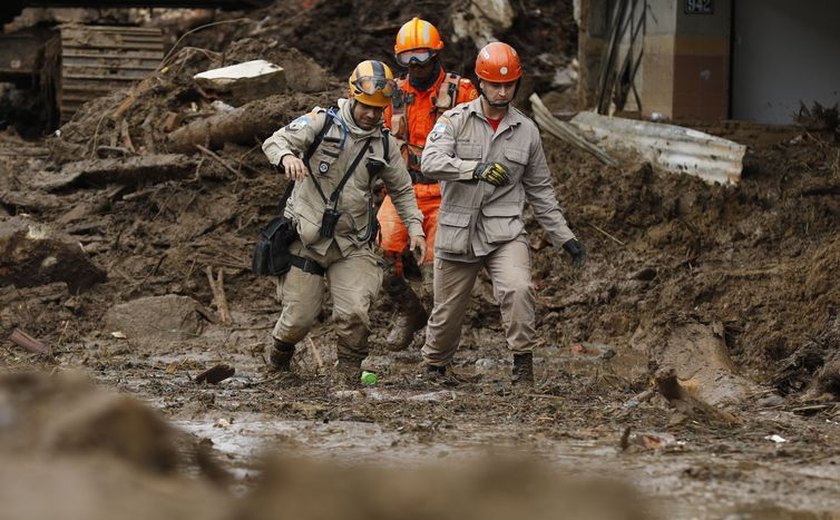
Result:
{"points": [[490, 160], [421, 97]]}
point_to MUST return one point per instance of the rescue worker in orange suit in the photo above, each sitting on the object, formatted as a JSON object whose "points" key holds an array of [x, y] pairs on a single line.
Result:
{"points": [[490, 160], [421, 97]]}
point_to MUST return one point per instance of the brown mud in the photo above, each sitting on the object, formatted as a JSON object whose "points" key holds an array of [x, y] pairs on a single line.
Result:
{"points": [[733, 288]]}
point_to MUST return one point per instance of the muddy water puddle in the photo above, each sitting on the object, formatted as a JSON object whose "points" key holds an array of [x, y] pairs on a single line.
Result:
{"points": [[685, 482]]}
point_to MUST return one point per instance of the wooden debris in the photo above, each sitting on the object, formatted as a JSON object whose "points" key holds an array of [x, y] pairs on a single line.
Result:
{"points": [[171, 121], [30, 200], [105, 151], [317, 355], [126, 136], [22, 339], [253, 121], [215, 375], [218, 159], [219, 299], [207, 314], [598, 229], [697, 354], [565, 131], [133, 95], [96, 205], [815, 365], [681, 396], [124, 170], [148, 132]]}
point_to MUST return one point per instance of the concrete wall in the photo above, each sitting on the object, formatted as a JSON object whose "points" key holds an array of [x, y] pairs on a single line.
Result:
{"points": [[686, 61], [657, 70], [783, 52], [701, 63], [592, 36]]}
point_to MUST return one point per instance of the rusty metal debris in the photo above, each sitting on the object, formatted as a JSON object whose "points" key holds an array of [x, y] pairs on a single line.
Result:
{"points": [[215, 375]]}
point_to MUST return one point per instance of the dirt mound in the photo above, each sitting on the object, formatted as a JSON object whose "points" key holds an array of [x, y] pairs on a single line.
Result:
{"points": [[66, 415], [340, 34]]}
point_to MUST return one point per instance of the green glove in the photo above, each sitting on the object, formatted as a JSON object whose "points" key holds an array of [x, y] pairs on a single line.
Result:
{"points": [[492, 172]]}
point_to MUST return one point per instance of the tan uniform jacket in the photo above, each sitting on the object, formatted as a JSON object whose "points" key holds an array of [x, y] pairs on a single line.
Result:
{"points": [[339, 148], [476, 217]]}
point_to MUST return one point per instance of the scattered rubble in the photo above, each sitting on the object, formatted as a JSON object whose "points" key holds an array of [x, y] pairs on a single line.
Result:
{"points": [[32, 253], [154, 321], [243, 82]]}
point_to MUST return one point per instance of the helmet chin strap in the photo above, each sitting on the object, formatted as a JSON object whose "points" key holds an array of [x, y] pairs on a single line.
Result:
{"points": [[504, 104], [495, 105]]}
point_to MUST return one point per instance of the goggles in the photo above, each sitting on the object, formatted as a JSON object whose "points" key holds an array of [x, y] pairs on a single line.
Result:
{"points": [[415, 57], [371, 85]]}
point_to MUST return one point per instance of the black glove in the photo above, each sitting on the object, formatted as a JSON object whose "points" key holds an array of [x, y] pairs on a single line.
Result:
{"points": [[492, 172], [576, 251]]}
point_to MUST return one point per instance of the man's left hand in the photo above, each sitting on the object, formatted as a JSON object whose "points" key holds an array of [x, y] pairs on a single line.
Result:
{"points": [[418, 248], [576, 250]]}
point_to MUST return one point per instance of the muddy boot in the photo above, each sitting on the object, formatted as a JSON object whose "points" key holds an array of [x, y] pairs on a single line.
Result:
{"points": [[523, 369], [281, 356], [348, 373], [411, 318], [439, 376]]}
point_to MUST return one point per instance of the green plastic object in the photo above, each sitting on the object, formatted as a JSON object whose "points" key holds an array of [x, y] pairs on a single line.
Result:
{"points": [[369, 378]]}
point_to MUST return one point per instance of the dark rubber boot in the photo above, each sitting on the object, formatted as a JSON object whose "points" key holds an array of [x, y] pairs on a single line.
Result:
{"points": [[281, 356], [348, 373], [523, 369], [412, 315], [435, 371], [439, 376]]}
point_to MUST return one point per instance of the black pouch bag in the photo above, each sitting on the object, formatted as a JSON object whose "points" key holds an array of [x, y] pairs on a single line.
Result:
{"points": [[271, 254]]}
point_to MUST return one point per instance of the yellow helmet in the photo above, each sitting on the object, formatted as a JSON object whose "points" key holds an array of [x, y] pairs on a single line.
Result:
{"points": [[372, 83]]}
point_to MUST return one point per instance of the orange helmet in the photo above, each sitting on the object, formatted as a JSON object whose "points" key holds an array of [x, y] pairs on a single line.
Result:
{"points": [[372, 83], [417, 41], [498, 62]]}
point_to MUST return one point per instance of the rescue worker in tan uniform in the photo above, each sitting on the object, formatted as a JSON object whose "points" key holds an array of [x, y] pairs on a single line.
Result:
{"points": [[336, 222], [421, 97], [490, 161]]}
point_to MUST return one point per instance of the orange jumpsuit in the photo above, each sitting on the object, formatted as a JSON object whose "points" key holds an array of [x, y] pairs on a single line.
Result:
{"points": [[410, 125]]}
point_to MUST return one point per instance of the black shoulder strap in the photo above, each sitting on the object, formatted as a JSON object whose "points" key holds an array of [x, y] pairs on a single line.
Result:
{"points": [[281, 207], [349, 172], [386, 146], [313, 147], [319, 138]]}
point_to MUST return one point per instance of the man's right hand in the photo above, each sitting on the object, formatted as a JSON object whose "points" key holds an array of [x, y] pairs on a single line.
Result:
{"points": [[294, 168], [492, 172]]}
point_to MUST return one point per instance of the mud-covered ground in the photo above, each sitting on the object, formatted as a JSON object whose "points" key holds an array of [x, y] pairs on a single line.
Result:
{"points": [[682, 276]]}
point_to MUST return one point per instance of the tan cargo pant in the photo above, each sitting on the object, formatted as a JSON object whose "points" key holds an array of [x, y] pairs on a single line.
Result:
{"points": [[354, 282], [509, 268]]}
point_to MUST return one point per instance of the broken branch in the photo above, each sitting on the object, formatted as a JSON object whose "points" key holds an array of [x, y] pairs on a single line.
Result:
{"points": [[22, 339], [218, 159], [218, 288]]}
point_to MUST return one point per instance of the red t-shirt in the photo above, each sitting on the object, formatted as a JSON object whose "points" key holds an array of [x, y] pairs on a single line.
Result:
{"points": [[494, 123]]}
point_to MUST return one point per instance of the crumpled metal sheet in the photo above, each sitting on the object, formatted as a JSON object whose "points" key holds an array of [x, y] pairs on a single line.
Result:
{"points": [[668, 148]]}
